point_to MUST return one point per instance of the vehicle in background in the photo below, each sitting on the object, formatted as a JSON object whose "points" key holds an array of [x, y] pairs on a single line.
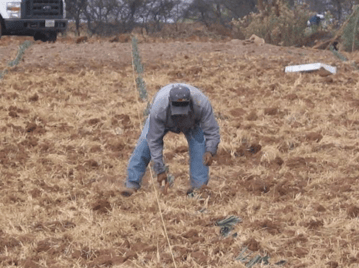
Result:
{"points": [[42, 19]]}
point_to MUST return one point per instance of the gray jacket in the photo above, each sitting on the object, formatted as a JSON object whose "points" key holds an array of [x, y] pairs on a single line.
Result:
{"points": [[161, 123]]}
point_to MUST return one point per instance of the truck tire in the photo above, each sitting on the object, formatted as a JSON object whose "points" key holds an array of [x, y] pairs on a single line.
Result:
{"points": [[46, 36], [38, 36], [52, 37]]}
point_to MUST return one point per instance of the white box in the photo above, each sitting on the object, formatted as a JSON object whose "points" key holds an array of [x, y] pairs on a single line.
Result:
{"points": [[310, 67]]}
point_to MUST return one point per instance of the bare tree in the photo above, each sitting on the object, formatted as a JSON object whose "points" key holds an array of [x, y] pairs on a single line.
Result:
{"points": [[338, 6], [107, 17], [220, 11], [179, 11], [201, 10], [291, 3], [158, 12], [260, 5], [76, 8]]}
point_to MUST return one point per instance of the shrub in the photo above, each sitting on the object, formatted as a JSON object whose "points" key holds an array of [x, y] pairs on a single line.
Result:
{"points": [[278, 24], [350, 38]]}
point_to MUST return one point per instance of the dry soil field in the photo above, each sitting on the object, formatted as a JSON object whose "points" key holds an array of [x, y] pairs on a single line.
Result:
{"points": [[287, 165]]}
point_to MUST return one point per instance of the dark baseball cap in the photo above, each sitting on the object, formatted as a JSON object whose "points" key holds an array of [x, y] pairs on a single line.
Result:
{"points": [[180, 97]]}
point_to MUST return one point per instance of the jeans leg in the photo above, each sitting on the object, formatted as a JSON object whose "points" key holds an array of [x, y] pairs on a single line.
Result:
{"points": [[139, 160], [197, 148]]}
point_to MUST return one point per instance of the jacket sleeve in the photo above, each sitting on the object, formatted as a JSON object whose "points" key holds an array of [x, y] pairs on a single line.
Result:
{"points": [[155, 136], [210, 128]]}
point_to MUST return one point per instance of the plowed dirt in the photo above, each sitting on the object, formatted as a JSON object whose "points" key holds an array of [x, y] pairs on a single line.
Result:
{"points": [[287, 165]]}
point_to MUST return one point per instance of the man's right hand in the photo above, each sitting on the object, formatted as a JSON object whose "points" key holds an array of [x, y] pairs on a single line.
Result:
{"points": [[207, 159]]}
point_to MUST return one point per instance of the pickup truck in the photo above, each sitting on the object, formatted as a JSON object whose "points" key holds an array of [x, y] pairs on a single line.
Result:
{"points": [[42, 19]]}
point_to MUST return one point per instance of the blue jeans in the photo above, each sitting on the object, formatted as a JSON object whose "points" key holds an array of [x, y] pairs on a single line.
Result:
{"points": [[141, 157]]}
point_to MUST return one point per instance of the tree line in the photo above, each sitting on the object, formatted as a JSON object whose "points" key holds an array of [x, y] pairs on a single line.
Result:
{"points": [[106, 17]]}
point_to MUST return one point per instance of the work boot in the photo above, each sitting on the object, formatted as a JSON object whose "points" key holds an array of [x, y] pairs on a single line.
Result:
{"points": [[191, 192], [128, 192]]}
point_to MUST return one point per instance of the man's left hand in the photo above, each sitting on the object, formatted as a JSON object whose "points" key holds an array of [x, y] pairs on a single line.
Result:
{"points": [[163, 177], [207, 159]]}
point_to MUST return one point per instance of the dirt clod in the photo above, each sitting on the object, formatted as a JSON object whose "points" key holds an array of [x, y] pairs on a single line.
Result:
{"points": [[34, 98], [237, 112], [190, 234], [30, 127], [271, 111], [314, 136], [252, 116], [181, 149], [13, 114], [102, 206], [332, 264], [252, 244], [353, 211]]}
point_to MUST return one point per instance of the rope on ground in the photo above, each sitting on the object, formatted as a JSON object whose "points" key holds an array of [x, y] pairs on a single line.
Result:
{"points": [[141, 87], [16, 61]]}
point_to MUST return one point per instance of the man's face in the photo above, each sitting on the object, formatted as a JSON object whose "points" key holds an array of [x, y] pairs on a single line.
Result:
{"points": [[180, 104]]}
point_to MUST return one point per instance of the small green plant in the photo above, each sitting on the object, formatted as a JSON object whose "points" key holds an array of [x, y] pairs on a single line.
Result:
{"points": [[20, 53], [16, 61], [141, 85], [140, 82]]}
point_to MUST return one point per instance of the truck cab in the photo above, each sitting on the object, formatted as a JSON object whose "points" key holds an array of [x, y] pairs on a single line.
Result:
{"points": [[42, 19]]}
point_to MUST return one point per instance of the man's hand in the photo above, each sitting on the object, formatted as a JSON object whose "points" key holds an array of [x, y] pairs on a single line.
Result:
{"points": [[207, 159], [163, 177]]}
